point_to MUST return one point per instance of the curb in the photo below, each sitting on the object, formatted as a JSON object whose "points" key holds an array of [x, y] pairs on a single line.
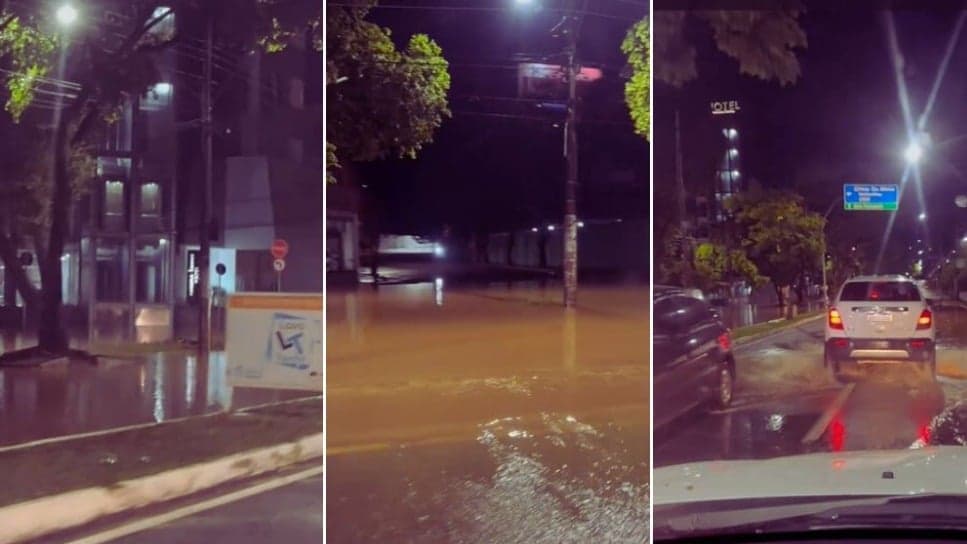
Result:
{"points": [[39, 517], [748, 339]]}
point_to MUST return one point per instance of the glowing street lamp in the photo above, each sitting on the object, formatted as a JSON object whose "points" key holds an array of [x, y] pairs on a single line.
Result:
{"points": [[922, 216], [66, 15], [913, 153]]}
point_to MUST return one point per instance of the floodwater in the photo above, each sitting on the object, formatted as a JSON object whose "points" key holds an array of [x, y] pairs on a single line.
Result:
{"points": [[61, 398], [488, 414]]}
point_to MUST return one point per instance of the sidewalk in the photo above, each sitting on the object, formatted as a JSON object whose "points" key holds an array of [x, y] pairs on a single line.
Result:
{"points": [[68, 482]]}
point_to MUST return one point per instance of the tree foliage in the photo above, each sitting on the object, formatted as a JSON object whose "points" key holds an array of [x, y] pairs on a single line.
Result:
{"points": [[780, 236], [764, 43], [715, 264], [24, 53], [381, 101], [638, 87]]}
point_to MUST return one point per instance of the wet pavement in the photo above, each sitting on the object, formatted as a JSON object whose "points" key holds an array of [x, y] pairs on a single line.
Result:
{"points": [[786, 403], [61, 398], [487, 414]]}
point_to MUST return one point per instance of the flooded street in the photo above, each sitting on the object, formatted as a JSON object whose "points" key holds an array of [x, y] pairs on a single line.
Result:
{"points": [[488, 414], [786, 402], [61, 398]]}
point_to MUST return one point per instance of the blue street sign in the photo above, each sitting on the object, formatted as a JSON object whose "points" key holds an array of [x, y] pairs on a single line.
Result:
{"points": [[858, 196]]}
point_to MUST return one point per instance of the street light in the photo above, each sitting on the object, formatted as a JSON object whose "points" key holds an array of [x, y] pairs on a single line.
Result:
{"points": [[913, 153], [66, 15], [922, 216]]}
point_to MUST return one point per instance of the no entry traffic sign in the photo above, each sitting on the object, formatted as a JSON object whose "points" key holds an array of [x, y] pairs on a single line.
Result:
{"points": [[279, 249]]}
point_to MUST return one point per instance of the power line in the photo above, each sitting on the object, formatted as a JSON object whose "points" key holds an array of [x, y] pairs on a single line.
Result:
{"points": [[490, 9]]}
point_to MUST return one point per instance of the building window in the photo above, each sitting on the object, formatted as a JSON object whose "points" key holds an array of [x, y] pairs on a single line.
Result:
{"points": [[114, 167], [150, 274], [111, 270], [114, 204], [150, 199], [157, 97], [117, 135]]}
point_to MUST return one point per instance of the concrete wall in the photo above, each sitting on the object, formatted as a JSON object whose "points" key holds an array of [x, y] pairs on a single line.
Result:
{"points": [[606, 246]]}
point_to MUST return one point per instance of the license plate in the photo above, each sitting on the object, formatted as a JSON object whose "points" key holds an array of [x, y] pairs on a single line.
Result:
{"points": [[880, 318], [880, 344]]}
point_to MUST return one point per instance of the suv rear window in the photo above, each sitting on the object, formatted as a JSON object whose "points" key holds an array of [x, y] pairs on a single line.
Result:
{"points": [[871, 291]]}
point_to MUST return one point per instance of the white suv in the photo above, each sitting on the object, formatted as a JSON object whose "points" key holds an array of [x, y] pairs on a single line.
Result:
{"points": [[880, 318]]}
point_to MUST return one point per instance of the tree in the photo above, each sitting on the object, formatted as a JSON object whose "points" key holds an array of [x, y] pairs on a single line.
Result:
{"points": [[638, 87], [764, 43], [381, 102], [780, 236], [715, 265], [107, 73]]}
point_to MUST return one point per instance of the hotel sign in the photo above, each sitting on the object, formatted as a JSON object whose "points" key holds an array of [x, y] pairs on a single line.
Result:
{"points": [[724, 108]]}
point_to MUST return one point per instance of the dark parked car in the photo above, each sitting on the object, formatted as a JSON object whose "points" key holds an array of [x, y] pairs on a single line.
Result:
{"points": [[693, 363]]}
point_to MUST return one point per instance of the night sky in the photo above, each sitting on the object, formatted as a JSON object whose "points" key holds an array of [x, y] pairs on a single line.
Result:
{"points": [[840, 123], [498, 164]]}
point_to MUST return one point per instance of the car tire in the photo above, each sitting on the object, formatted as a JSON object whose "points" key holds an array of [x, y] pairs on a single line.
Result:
{"points": [[833, 367], [725, 386]]}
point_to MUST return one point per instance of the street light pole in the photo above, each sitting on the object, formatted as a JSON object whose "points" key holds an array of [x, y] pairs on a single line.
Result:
{"points": [[571, 180], [829, 210], [204, 231]]}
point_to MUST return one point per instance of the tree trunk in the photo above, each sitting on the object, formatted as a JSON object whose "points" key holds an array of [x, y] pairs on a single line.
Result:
{"points": [[51, 334]]}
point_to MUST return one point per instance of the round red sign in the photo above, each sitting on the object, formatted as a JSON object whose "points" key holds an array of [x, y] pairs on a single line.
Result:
{"points": [[279, 249]]}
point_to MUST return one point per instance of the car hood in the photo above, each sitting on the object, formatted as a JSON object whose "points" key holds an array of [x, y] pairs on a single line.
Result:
{"points": [[931, 470]]}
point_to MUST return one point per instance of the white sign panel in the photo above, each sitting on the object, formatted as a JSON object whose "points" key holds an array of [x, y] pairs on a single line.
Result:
{"points": [[274, 340]]}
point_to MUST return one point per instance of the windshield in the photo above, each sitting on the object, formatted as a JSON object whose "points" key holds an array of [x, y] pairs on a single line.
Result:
{"points": [[885, 291], [832, 245]]}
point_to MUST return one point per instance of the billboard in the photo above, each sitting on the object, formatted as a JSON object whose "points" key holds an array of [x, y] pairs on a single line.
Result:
{"points": [[274, 340], [536, 80]]}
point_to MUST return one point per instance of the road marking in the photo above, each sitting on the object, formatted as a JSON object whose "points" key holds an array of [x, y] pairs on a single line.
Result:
{"points": [[826, 417], [161, 519]]}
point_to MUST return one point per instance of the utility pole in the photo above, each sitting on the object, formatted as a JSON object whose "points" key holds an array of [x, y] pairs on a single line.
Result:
{"points": [[204, 253], [679, 176], [571, 179]]}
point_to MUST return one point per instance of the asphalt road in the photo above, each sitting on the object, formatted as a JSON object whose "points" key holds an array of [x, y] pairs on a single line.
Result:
{"points": [[786, 404]]}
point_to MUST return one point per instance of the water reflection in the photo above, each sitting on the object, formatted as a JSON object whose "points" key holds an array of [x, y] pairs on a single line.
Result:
{"points": [[67, 398]]}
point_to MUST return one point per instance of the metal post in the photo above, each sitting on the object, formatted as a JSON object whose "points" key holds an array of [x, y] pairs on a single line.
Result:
{"points": [[204, 253], [679, 176], [829, 210]]}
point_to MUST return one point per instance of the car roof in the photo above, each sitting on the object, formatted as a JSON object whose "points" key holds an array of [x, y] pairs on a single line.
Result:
{"points": [[662, 291], [881, 277]]}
